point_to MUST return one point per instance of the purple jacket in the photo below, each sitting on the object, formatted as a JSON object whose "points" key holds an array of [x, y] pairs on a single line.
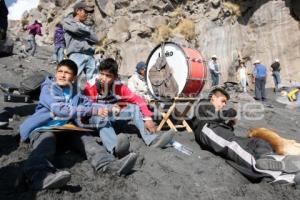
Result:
{"points": [[59, 40], [35, 29]]}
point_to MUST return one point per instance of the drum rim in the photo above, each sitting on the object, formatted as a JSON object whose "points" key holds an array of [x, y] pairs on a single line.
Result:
{"points": [[147, 62]]}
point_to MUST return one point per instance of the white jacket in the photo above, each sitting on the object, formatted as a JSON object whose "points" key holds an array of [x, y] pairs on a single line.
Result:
{"points": [[138, 86]]}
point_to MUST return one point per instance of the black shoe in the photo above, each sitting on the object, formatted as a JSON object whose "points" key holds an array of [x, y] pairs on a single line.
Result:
{"points": [[162, 140], [4, 119], [46, 180], [121, 167], [290, 164], [122, 147]]}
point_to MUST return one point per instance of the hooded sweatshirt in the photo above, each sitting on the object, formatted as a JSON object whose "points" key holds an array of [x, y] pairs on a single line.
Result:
{"points": [[53, 104], [79, 37]]}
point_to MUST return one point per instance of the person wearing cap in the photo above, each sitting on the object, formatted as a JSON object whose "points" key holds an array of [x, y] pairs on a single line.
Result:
{"points": [[260, 77], [214, 69], [213, 127], [79, 40], [34, 29], [137, 83], [276, 74]]}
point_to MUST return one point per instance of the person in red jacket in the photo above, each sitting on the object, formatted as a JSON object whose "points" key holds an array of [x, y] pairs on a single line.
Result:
{"points": [[126, 105]]}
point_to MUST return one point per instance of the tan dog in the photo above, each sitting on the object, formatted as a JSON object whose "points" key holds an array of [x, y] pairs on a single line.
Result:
{"points": [[279, 144]]}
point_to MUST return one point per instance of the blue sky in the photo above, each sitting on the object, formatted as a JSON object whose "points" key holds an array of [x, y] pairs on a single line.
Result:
{"points": [[9, 2], [17, 7]]}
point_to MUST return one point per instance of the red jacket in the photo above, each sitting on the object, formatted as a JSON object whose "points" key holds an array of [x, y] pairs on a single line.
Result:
{"points": [[122, 93]]}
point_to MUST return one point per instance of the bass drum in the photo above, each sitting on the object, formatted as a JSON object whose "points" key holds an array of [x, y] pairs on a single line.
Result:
{"points": [[189, 69]]}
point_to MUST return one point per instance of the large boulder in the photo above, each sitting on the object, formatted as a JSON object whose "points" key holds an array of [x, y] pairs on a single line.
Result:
{"points": [[6, 47]]}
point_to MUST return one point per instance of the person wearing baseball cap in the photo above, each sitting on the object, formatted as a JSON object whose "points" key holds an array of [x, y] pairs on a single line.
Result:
{"points": [[80, 39]]}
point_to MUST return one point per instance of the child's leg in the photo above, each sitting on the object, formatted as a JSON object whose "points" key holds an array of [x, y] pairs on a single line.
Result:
{"points": [[43, 150], [132, 112]]}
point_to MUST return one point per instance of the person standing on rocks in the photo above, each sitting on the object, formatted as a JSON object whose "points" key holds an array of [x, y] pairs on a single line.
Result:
{"points": [[260, 77], [213, 128], [276, 74], [34, 29], [214, 69], [60, 104], [79, 40], [242, 75], [59, 43]]}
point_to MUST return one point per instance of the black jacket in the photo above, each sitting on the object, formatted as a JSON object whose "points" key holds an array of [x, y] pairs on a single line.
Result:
{"points": [[205, 113]]}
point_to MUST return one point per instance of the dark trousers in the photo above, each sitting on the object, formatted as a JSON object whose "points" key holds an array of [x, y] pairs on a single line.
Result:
{"points": [[239, 150], [260, 88], [44, 148]]}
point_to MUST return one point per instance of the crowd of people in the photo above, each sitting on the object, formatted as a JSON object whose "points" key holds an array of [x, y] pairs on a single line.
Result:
{"points": [[106, 103], [246, 76]]}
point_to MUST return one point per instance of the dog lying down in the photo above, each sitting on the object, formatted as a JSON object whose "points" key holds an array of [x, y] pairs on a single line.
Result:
{"points": [[280, 145]]}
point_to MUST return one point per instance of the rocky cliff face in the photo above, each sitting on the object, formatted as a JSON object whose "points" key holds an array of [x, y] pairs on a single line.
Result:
{"points": [[129, 29]]}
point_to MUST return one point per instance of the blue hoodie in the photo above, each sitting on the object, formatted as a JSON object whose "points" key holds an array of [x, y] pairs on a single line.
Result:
{"points": [[52, 104]]}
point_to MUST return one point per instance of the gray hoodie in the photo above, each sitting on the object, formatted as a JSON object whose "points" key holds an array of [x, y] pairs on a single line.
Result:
{"points": [[79, 37]]}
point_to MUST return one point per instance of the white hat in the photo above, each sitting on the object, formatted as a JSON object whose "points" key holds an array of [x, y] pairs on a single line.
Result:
{"points": [[256, 61], [276, 60], [214, 56]]}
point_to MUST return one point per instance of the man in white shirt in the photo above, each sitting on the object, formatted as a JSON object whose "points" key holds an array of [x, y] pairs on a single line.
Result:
{"points": [[214, 69]]}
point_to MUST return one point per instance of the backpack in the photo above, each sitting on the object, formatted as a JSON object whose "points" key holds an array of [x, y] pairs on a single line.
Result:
{"points": [[31, 84], [161, 77]]}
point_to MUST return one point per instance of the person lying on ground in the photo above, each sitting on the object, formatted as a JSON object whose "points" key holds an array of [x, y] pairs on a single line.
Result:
{"points": [[107, 89], [59, 104], [253, 157]]}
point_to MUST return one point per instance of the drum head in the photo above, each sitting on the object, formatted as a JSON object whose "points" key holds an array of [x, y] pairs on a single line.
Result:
{"points": [[177, 61]]}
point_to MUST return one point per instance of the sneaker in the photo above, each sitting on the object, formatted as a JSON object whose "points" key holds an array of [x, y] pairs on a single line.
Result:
{"points": [[46, 180], [122, 147], [297, 178], [122, 166], [290, 164], [162, 140]]}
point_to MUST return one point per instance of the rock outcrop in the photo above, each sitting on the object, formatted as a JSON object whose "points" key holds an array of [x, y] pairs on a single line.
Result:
{"points": [[130, 29]]}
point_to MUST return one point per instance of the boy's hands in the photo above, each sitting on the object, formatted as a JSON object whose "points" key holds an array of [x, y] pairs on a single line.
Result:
{"points": [[103, 112], [149, 125]]}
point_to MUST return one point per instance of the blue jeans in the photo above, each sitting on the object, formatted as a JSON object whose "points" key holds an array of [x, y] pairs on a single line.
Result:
{"points": [[107, 131], [276, 78], [31, 45], [58, 54], [214, 78], [85, 63]]}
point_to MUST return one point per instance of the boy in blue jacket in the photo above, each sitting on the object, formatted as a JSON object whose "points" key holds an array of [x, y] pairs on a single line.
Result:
{"points": [[60, 104]]}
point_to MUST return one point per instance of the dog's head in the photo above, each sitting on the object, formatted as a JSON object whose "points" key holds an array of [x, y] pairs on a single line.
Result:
{"points": [[252, 132]]}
